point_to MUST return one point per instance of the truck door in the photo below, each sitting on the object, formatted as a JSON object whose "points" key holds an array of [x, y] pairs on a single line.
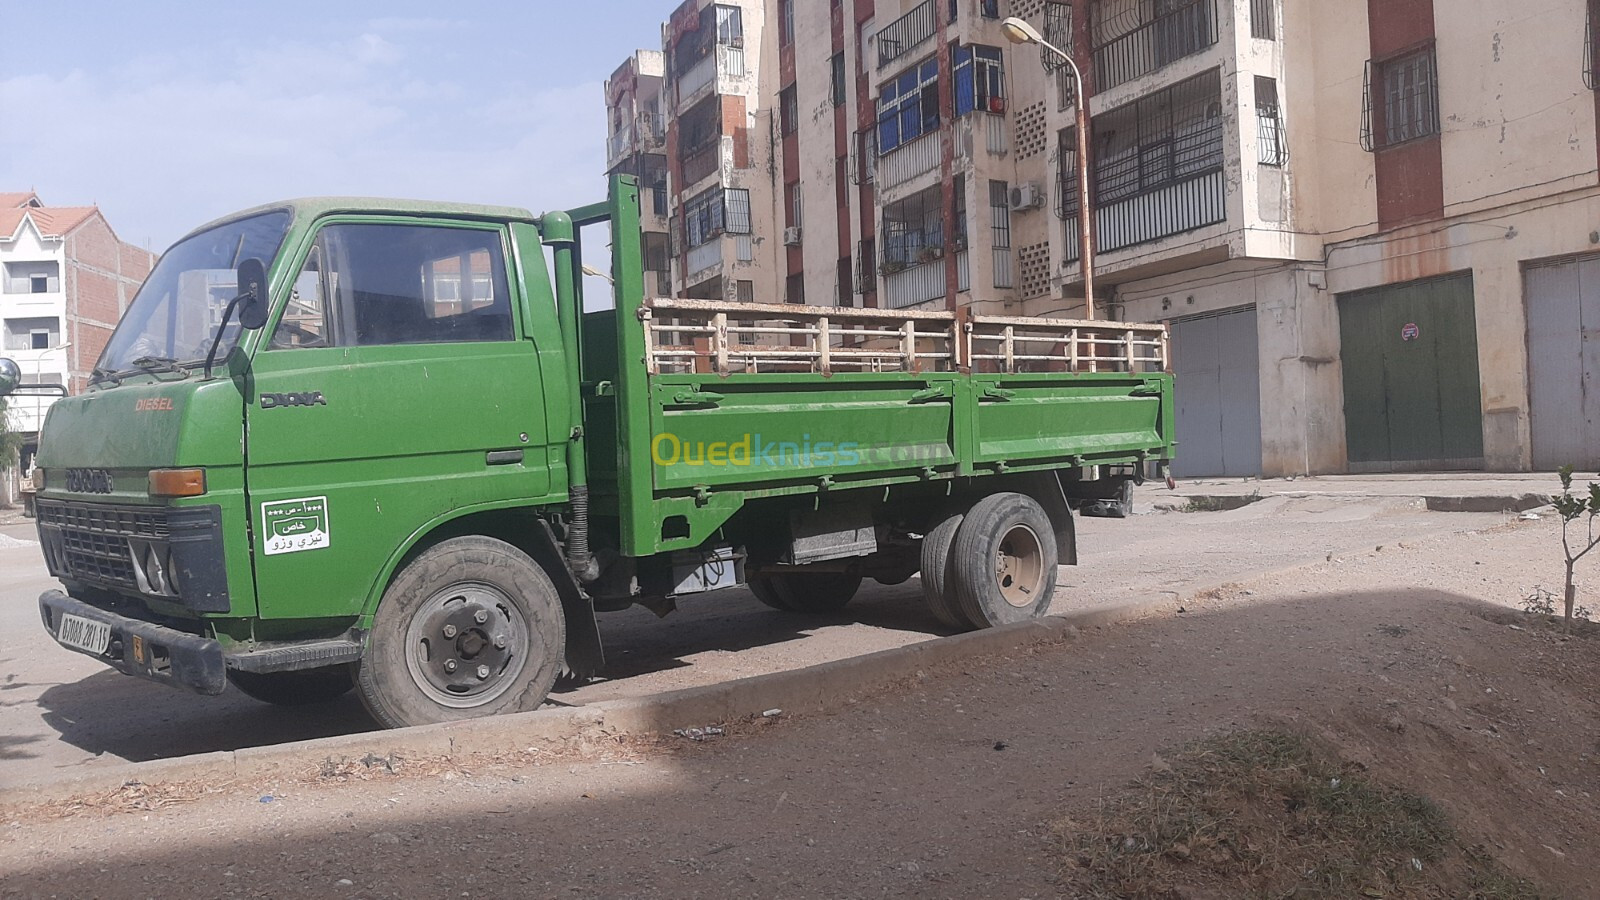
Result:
{"points": [[393, 391]]}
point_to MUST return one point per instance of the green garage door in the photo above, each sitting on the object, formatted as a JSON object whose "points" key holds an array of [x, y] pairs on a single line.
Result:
{"points": [[1411, 389]]}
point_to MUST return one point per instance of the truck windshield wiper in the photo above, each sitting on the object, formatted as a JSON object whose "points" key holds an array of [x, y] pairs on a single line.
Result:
{"points": [[98, 375], [160, 364]]}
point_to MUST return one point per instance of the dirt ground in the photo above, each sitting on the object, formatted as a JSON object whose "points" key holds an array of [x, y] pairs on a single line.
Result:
{"points": [[1406, 659]]}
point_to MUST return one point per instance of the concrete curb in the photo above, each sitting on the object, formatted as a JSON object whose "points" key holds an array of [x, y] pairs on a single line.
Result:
{"points": [[1479, 503], [811, 689]]}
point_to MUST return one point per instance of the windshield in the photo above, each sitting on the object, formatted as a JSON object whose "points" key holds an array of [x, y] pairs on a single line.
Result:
{"points": [[177, 312]]}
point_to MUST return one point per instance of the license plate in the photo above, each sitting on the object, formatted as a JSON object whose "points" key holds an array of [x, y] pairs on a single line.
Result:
{"points": [[84, 634]]}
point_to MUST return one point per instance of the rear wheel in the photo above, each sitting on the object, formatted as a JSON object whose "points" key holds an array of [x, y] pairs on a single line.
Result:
{"points": [[1004, 561], [806, 592], [936, 585], [301, 688], [471, 627]]}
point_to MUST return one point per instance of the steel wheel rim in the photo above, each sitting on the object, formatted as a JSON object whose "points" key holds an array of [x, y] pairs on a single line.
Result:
{"points": [[1019, 566], [466, 645]]}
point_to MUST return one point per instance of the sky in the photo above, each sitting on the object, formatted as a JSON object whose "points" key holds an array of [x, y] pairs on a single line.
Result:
{"points": [[170, 114]]}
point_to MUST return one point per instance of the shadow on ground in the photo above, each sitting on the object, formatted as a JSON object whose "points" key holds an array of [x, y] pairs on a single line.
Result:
{"points": [[944, 787]]}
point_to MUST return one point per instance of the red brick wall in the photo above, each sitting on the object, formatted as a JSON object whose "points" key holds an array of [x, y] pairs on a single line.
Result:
{"points": [[100, 277]]}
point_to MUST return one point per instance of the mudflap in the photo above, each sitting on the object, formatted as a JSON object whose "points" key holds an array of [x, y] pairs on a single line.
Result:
{"points": [[585, 653]]}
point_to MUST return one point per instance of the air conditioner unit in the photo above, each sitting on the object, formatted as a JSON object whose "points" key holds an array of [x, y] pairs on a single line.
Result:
{"points": [[1026, 196], [791, 236]]}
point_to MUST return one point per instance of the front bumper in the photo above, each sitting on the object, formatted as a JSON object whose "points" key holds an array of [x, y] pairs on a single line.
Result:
{"points": [[154, 652]]}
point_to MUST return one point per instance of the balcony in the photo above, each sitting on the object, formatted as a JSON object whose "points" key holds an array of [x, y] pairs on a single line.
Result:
{"points": [[906, 33], [705, 256], [711, 74], [918, 284], [916, 157], [1148, 46]]}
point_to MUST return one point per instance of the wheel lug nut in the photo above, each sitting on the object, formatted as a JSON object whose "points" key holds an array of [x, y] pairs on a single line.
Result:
{"points": [[449, 665], [480, 617], [483, 672], [449, 631], [500, 643]]}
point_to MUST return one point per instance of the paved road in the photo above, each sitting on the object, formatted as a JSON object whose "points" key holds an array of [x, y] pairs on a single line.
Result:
{"points": [[60, 711]]}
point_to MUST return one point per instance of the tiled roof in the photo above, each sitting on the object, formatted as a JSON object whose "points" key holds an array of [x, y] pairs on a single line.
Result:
{"points": [[52, 221], [14, 200]]}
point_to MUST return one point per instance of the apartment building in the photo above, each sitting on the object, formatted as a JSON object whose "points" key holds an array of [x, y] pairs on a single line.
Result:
{"points": [[65, 279], [1371, 224]]}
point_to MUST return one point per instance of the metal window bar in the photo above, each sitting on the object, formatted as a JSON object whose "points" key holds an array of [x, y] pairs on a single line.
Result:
{"points": [[1135, 50], [1272, 146], [1264, 19], [1409, 105], [906, 33], [1000, 232], [1058, 32]]}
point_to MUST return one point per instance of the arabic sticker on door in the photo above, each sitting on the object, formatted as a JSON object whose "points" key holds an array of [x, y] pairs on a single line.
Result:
{"points": [[290, 526]]}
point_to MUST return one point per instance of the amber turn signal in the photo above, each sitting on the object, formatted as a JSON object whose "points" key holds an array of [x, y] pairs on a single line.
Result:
{"points": [[177, 482]]}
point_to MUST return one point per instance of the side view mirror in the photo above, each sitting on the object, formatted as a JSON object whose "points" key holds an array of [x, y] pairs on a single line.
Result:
{"points": [[253, 306], [11, 382], [10, 376]]}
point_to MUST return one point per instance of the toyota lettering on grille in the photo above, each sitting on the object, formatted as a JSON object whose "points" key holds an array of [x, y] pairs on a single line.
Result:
{"points": [[89, 481]]}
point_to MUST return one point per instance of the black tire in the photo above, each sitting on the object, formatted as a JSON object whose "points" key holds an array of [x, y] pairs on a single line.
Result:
{"points": [[1003, 562], [302, 688], [813, 593], [472, 627], [936, 585]]}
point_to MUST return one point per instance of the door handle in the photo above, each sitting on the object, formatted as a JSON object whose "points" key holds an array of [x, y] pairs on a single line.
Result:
{"points": [[503, 457]]}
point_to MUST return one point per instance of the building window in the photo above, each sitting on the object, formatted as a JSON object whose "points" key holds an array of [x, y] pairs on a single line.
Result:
{"points": [[1264, 19], [785, 22], [958, 213], [744, 291], [838, 83], [788, 110], [792, 200], [913, 230], [32, 277], [1272, 145], [1401, 101], [1000, 232], [980, 80], [908, 106], [730, 26], [718, 211], [794, 288], [33, 333], [989, 9], [1058, 33], [843, 279], [867, 267]]}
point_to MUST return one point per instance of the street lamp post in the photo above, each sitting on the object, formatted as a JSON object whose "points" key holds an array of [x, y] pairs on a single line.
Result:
{"points": [[1018, 31], [38, 373]]}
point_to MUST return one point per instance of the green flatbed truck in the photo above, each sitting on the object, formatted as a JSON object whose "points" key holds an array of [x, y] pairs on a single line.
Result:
{"points": [[375, 445]]}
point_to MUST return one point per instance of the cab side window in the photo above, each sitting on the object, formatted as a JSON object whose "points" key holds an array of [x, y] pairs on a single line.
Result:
{"points": [[305, 321], [404, 284]]}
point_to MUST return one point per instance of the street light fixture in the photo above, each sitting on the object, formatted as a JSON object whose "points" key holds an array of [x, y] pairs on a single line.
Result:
{"points": [[1018, 31]]}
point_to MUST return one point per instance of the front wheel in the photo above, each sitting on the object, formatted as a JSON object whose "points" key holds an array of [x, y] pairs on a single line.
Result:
{"points": [[1004, 561], [300, 688], [471, 627]]}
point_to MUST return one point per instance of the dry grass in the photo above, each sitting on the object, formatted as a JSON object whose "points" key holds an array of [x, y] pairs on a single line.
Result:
{"points": [[1270, 814]]}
